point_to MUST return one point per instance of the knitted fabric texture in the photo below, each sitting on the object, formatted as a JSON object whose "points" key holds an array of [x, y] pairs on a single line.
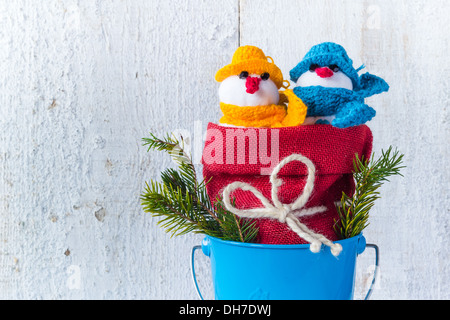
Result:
{"points": [[325, 54], [259, 116], [254, 61], [252, 84], [330, 149], [347, 105], [270, 116]]}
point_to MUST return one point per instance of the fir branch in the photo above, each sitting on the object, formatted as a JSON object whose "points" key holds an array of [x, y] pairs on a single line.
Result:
{"points": [[184, 204], [369, 176], [234, 227]]}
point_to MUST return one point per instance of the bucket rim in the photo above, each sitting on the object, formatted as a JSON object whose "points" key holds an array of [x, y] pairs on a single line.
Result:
{"points": [[277, 246]]}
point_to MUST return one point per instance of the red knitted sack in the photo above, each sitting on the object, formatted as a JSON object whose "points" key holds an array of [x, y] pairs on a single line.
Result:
{"points": [[249, 154]]}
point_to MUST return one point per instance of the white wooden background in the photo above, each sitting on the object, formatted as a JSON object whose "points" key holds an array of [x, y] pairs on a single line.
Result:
{"points": [[81, 82]]}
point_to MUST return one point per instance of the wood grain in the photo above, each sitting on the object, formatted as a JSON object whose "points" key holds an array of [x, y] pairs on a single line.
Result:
{"points": [[82, 83], [405, 43]]}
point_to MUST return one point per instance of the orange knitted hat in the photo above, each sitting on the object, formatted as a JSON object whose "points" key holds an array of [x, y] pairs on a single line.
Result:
{"points": [[254, 61]]}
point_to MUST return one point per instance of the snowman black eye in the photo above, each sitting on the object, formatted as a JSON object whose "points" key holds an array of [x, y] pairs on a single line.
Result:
{"points": [[265, 76], [313, 67], [243, 75], [334, 67]]}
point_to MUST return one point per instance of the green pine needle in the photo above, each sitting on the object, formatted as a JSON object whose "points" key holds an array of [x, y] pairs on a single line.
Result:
{"points": [[184, 205], [369, 176]]}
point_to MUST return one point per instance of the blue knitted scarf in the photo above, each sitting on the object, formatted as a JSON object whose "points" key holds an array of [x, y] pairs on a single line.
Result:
{"points": [[347, 105]]}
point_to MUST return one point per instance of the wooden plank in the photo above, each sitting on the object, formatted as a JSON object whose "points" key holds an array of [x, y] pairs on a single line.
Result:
{"points": [[82, 83], [406, 43]]}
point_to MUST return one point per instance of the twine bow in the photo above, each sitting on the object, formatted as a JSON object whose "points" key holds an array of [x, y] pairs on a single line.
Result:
{"points": [[285, 213]]}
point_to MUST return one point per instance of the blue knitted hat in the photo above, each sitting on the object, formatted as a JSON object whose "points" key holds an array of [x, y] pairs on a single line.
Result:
{"points": [[325, 54]]}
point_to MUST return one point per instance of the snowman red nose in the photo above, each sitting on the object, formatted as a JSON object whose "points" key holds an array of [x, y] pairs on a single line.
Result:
{"points": [[252, 84], [324, 72]]}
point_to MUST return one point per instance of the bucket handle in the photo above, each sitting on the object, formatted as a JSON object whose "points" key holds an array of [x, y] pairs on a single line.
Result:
{"points": [[193, 271], [377, 259]]}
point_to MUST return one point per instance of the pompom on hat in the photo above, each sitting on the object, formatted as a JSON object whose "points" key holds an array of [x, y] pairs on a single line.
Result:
{"points": [[325, 54], [254, 61]]}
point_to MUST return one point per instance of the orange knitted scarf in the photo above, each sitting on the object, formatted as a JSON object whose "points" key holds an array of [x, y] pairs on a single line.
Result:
{"points": [[270, 116], [259, 116]]}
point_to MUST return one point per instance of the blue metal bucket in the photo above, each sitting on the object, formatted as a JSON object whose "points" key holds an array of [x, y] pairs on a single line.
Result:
{"points": [[247, 271]]}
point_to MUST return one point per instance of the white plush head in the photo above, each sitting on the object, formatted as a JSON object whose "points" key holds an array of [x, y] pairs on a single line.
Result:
{"points": [[328, 77], [248, 90]]}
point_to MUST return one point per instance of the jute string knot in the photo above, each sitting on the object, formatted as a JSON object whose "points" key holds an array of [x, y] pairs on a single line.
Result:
{"points": [[285, 213]]}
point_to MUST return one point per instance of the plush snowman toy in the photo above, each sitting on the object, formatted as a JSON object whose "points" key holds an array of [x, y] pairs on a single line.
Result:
{"points": [[332, 89], [249, 92]]}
